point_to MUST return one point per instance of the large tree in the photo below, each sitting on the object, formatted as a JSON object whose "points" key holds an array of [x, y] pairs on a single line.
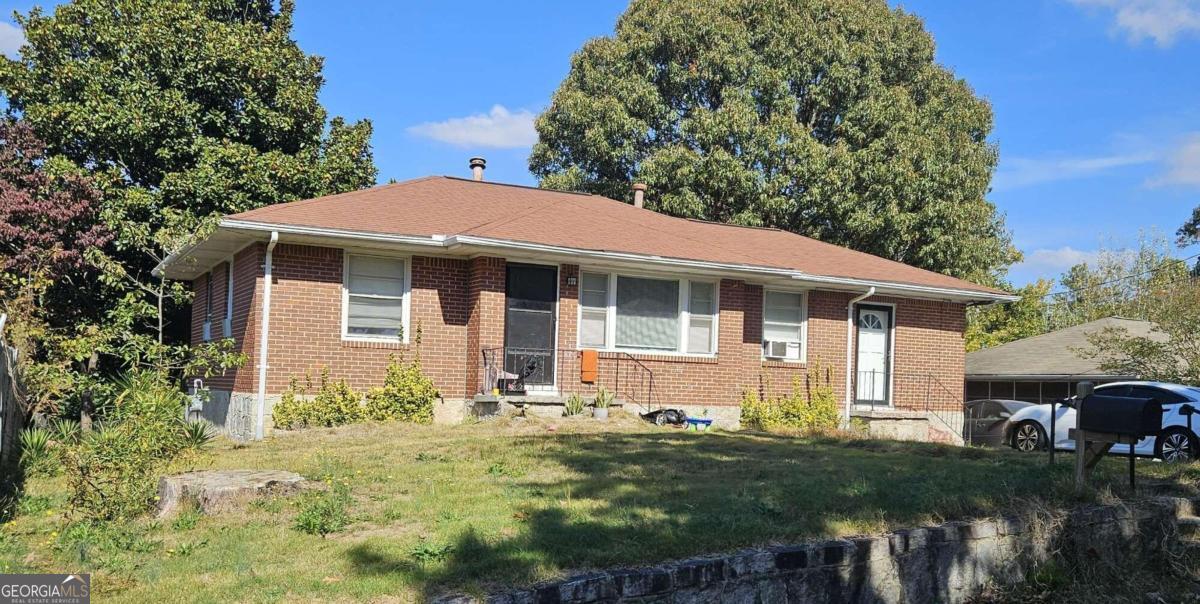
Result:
{"points": [[829, 118], [180, 111]]}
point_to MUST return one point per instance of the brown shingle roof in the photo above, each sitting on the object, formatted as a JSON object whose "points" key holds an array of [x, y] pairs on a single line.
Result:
{"points": [[1056, 354], [443, 205]]}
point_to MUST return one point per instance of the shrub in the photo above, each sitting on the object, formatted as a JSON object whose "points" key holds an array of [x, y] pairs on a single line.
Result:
{"points": [[810, 407], [37, 454], [407, 394], [197, 435], [112, 470], [335, 404], [573, 406], [322, 513]]}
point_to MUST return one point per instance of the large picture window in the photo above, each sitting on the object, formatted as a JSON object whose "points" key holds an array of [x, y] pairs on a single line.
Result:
{"points": [[647, 313], [783, 326], [375, 297], [625, 312]]}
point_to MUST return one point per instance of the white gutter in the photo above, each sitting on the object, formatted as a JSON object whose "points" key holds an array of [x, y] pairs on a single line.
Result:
{"points": [[456, 241], [263, 339], [850, 347]]}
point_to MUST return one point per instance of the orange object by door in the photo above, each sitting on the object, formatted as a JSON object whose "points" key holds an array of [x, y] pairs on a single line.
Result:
{"points": [[589, 366]]}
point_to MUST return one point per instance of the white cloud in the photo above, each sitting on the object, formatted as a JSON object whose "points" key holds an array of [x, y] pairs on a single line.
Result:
{"points": [[499, 128], [1053, 262], [1023, 172], [1164, 21], [11, 39], [1183, 163]]}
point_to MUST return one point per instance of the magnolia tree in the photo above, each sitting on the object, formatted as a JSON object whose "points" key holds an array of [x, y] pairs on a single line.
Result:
{"points": [[179, 111], [823, 117]]}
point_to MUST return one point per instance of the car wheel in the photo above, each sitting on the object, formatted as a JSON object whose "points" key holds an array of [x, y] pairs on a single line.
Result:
{"points": [[1028, 437], [1176, 445]]}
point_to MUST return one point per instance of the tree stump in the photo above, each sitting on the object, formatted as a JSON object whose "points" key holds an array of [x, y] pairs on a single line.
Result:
{"points": [[213, 491]]}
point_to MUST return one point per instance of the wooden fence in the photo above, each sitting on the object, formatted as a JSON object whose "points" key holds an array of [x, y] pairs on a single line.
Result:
{"points": [[11, 412]]}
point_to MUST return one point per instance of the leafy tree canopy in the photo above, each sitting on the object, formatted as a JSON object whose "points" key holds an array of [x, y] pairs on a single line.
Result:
{"points": [[823, 117], [178, 111]]}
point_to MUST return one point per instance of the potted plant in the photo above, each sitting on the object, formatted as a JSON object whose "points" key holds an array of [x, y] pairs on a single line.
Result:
{"points": [[600, 405]]}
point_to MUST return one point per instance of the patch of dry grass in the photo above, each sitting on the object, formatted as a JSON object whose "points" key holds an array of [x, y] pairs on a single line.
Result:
{"points": [[474, 507]]}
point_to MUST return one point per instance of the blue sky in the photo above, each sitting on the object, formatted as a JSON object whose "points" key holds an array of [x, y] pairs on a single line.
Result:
{"points": [[1097, 118]]}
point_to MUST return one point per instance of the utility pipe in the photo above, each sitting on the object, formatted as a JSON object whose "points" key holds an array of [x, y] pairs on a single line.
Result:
{"points": [[850, 348], [263, 338]]}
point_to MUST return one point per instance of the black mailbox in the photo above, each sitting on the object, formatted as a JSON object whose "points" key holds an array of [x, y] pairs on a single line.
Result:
{"points": [[1120, 415]]}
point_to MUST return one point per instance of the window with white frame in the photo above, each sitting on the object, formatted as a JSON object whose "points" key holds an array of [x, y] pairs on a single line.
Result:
{"points": [[206, 329], [623, 312], [227, 323], [375, 292], [593, 314], [702, 312], [783, 325]]}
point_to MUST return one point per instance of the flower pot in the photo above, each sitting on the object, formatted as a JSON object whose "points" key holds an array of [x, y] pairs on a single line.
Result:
{"points": [[600, 413]]}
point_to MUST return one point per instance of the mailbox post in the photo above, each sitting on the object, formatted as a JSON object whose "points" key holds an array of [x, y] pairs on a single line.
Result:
{"points": [[1103, 421]]}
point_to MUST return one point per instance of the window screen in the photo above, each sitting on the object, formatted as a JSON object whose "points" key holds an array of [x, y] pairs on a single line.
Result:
{"points": [[375, 288], [593, 318], [783, 318], [702, 308], [647, 313]]}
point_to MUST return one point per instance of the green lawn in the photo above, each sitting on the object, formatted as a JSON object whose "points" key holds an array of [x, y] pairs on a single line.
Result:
{"points": [[473, 507]]}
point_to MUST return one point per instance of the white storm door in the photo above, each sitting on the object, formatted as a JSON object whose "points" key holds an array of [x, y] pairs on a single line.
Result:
{"points": [[874, 343]]}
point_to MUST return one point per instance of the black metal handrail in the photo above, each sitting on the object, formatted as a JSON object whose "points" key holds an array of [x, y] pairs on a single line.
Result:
{"points": [[937, 401], [511, 370], [639, 392]]}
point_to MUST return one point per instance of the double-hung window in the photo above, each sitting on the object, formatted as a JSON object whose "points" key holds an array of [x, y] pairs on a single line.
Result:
{"points": [[702, 318], [623, 312], [227, 323], [375, 297], [593, 314], [783, 326], [206, 329]]}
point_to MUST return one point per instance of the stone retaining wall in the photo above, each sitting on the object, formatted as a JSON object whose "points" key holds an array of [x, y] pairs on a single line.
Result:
{"points": [[947, 563]]}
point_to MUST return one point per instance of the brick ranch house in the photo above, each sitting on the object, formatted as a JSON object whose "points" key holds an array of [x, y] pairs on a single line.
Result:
{"points": [[525, 295]]}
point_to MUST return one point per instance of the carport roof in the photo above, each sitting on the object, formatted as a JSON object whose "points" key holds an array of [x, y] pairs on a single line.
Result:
{"points": [[1053, 355]]}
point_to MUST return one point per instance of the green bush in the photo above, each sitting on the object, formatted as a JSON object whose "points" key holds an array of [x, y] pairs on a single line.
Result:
{"points": [[37, 452], [322, 513], [335, 404], [810, 407], [407, 394], [112, 471], [573, 406]]}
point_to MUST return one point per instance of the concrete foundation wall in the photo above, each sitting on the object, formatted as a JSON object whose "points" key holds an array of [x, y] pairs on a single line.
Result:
{"points": [[952, 562]]}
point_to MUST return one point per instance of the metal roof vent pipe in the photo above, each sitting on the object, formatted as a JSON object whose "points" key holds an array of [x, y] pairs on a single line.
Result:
{"points": [[477, 166], [639, 195]]}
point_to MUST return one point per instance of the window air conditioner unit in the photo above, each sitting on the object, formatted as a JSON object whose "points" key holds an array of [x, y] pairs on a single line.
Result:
{"points": [[778, 350]]}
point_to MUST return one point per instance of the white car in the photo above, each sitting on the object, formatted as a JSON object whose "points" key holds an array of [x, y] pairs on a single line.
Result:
{"points": [[1028, 427]]}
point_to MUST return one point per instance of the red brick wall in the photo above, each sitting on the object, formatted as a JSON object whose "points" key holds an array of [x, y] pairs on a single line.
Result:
{"points": [[484, 280], [247, 268], [306, 322], [459, 306]]}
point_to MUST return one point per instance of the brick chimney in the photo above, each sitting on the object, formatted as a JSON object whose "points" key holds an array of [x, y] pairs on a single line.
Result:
{"points": [[639, 195], [477, 166]]}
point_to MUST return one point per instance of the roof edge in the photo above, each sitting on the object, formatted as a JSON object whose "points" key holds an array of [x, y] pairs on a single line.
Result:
{"points": [[452, 241]]}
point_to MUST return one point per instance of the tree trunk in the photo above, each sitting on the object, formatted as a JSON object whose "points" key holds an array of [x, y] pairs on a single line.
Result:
{"points": [[88, 406]]}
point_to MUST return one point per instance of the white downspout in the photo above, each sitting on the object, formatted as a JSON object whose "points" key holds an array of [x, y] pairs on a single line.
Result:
{"points": [[263, 338], [850, 348]]}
